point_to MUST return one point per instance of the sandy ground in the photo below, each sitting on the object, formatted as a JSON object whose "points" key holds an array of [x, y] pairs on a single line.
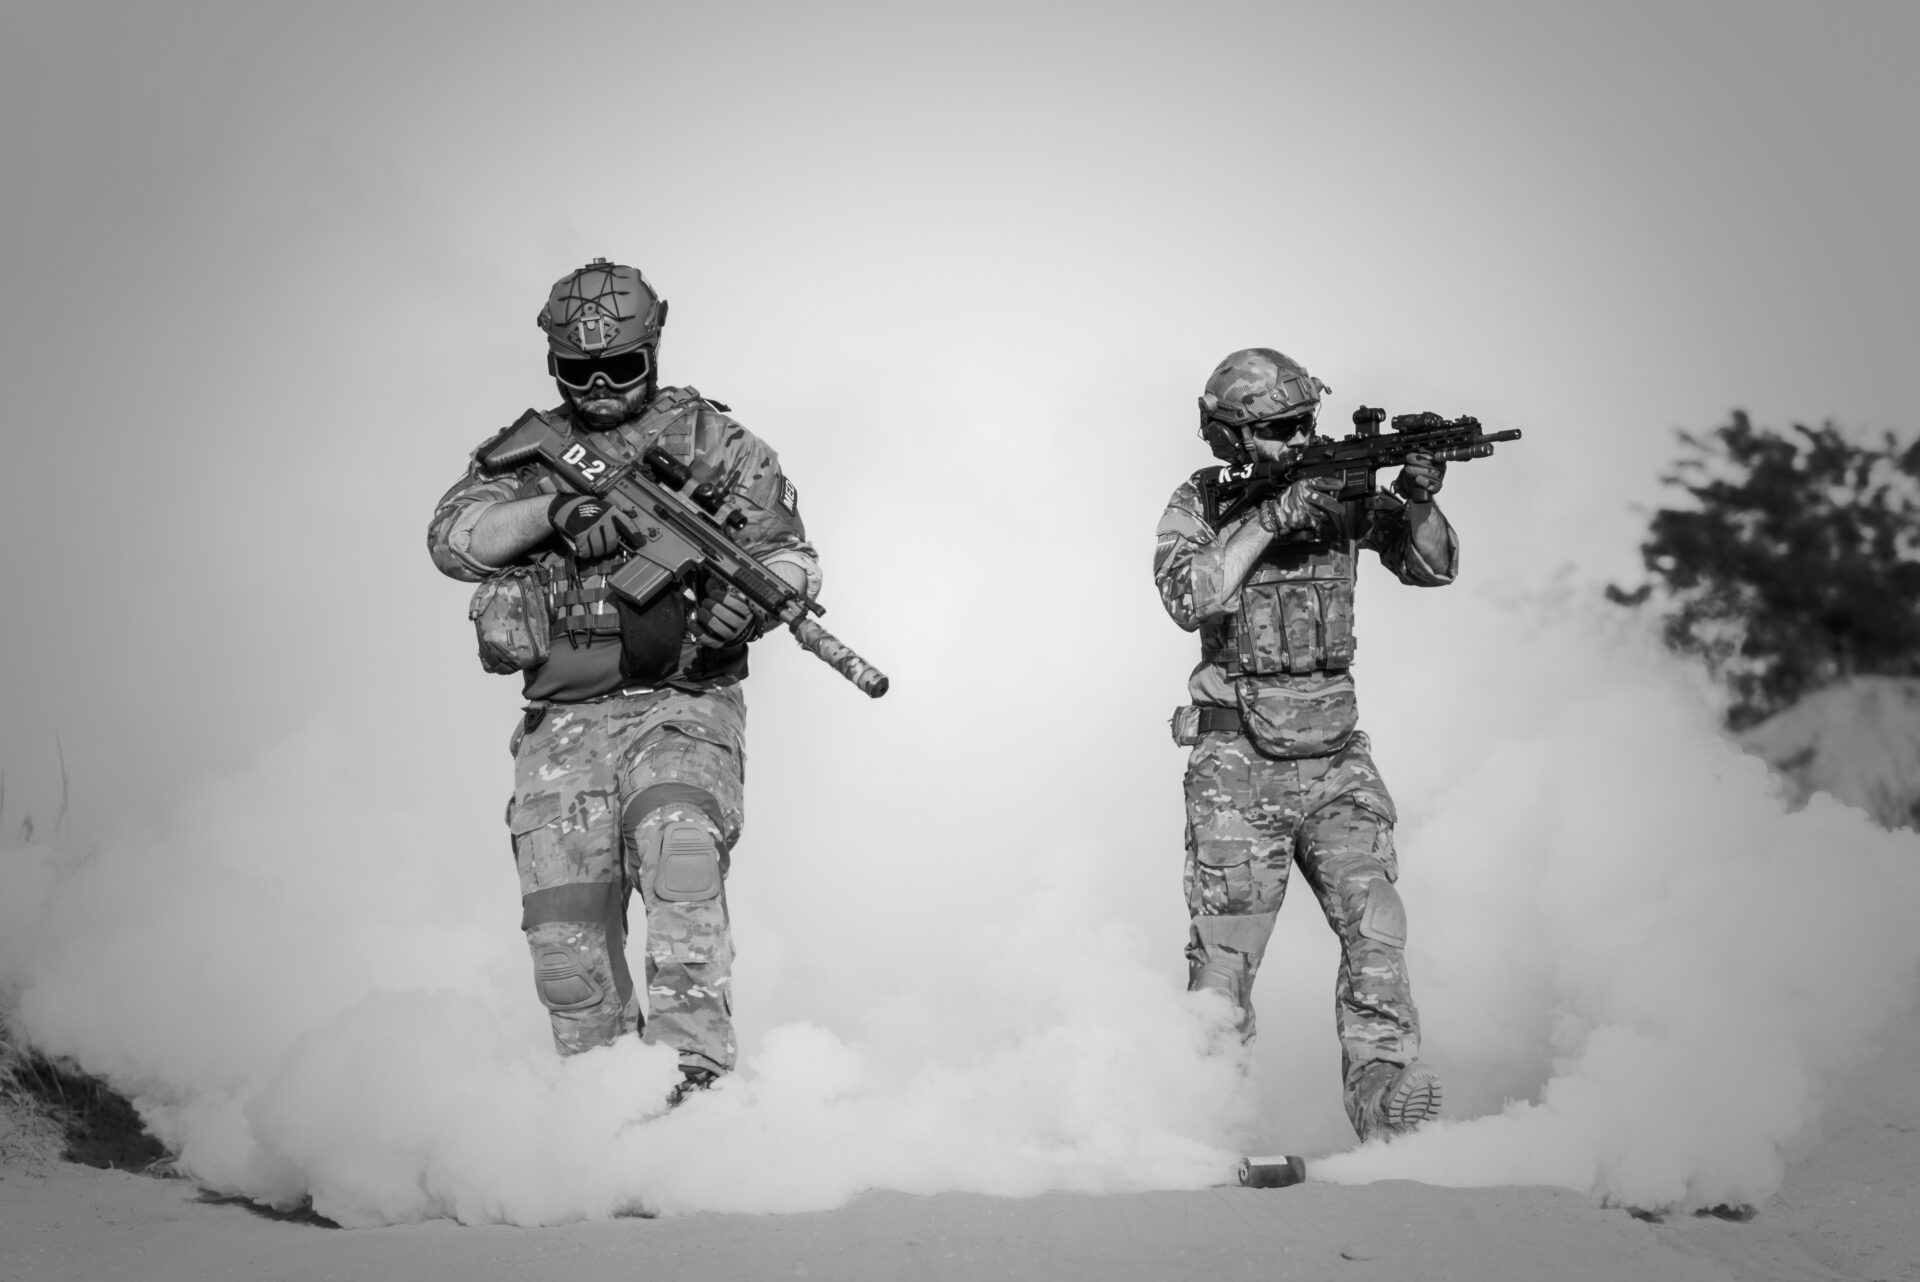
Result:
{"points": [[74, 1223], [1850, 1209]]}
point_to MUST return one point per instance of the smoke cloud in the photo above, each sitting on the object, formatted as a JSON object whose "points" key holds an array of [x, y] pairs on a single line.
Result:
{"points": [[339, 1010], [1637, 969], [1643, 969]]}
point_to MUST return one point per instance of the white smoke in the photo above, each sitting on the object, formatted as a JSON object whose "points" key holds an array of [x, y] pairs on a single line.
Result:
{"points": [[1644, 968], [1636, 969], [316, 992]]}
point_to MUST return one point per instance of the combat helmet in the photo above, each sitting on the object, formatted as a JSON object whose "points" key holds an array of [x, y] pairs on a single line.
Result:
{"points": [[1254, 385], [603, 319]]}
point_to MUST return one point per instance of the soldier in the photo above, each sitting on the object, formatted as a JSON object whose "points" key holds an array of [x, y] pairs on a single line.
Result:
{"points": [[1279, 773], [629, 758]]}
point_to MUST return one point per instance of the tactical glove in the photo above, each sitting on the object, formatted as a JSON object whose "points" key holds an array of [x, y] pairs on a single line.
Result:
{"points": [[723, 617], [1420, 478], [1302, 508], [589, 526]]}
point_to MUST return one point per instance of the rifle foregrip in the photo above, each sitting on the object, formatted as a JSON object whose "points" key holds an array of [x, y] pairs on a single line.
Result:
{"points": [[837, 655]]}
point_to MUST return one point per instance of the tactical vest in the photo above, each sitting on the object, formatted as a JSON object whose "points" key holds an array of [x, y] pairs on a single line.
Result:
{"points": [[580, 605], [1295, 614]]}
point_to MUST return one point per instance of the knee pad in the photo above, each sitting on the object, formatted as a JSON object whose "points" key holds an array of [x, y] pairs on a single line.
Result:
{"points": [[1384, 918], [563, 979], [687, 866]]}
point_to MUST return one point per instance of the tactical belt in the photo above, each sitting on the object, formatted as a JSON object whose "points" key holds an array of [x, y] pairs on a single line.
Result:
{"points": [[1216, 719]]}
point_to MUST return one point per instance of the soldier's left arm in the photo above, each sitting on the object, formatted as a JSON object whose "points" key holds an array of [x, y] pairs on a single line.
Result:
{"points": [[1413, 540], [760, 488]]}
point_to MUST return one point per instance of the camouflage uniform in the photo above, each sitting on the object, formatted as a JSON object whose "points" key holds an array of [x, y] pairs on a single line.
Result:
{"points": [[629, 762], [1287, 777]]}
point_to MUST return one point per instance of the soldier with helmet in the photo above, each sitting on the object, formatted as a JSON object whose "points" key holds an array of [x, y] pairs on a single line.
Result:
{"points": [[629, 756], [1280, 774]]}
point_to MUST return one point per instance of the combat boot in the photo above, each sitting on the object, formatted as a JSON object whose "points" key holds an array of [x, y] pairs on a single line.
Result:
{"points": [[1395, 1098], [692, 1080]]}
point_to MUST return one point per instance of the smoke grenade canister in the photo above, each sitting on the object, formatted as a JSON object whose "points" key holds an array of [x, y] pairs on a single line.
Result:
{"points": [[1272, 1172]]}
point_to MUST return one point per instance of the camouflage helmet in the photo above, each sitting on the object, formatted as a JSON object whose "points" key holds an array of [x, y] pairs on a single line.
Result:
{"points": [[1250, 386], [600, 310]]}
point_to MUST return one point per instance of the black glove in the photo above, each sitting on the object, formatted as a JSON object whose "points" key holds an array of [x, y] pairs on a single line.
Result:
{"points": [[723, 616], [590, 527], [1420, 478]]}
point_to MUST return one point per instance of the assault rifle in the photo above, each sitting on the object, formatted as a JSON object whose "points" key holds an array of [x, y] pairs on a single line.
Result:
{"points": [[1348, 465], [684, 526]]}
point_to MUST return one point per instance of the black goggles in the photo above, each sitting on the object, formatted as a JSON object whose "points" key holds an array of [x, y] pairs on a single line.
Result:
{"points": [[1281, 429], [622, 370]]}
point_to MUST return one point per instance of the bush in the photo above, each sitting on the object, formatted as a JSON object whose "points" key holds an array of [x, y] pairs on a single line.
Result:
{"points": [[1796, 564]]}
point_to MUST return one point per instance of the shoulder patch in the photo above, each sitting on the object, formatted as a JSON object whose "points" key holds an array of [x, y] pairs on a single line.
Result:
{"points": [[789, 497]]}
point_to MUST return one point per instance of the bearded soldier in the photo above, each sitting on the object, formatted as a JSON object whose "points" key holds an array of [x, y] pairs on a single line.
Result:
{"points": [[628, 759], [1279, 773]]}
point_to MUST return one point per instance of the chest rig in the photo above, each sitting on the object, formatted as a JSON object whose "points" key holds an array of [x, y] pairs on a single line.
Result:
{"points": [[1295, 614], [580, 605]]}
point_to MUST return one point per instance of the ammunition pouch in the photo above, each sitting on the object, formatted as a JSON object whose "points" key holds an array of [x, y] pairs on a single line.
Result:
{"points": [[581, 606], [1295, 614]]}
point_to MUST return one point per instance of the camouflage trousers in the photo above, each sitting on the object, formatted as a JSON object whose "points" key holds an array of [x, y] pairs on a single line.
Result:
{"points": [[632, 792], [1250, 818]]}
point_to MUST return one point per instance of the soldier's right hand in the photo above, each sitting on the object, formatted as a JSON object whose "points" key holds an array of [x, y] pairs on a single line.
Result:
{"points": [[589, 526], [1302, 508]]}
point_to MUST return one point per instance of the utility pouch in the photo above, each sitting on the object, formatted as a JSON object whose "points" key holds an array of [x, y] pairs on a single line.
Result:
{"points": [[1306, 716], [509, 613], [1185, 724]]}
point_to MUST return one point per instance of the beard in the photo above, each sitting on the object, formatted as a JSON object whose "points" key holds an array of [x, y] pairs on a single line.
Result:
{"points": [[1271, 451], [603, 409]]}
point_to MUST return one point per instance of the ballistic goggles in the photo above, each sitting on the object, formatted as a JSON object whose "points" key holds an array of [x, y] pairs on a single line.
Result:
{"points": [[1281, 429], [621, 370]]}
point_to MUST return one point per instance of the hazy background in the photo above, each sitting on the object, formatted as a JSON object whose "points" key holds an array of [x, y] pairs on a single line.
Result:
{"points": [[271, 271]]}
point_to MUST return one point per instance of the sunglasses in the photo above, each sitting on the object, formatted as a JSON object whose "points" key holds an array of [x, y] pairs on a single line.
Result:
{"points": [[622, 370], [1281, 429]]}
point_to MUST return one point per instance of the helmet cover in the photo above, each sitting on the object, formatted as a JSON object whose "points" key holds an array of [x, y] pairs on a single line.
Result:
{"points": [[601, 309], [1259, 383], [1250, 386]]}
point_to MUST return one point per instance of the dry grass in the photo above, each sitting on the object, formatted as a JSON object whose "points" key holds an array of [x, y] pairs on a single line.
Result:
{"points": [[51, 1110], [30, 1136]]}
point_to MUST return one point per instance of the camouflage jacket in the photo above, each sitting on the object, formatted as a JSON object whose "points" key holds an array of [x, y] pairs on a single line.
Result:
{"points": [[1278, 646], [586, 648]]}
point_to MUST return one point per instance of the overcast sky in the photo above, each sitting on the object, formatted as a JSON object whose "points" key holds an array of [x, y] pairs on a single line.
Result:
{"points": [[271, 271]]}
